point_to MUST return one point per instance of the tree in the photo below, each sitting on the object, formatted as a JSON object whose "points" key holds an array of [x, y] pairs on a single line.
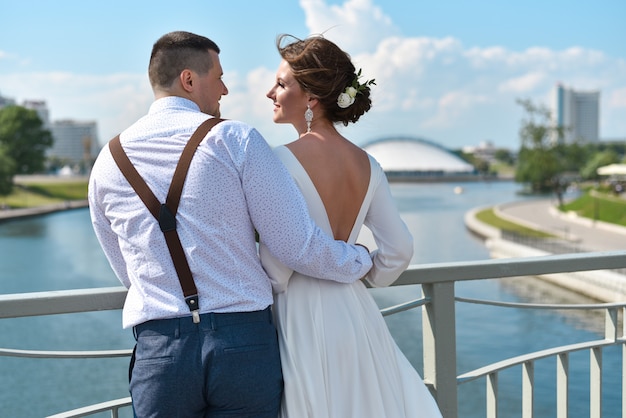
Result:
{"points": [[504, 156], [481, 166], [573, 156], [538, 162], [24, 138], [599, 159], [7, 169]]}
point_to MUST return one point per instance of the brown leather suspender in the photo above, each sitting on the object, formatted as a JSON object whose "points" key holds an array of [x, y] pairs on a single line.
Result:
{"points": [[165, 213]]}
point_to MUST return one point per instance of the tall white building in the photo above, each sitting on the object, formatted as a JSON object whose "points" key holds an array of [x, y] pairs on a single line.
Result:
{"points": [[578, 112], [41, 108], [75, 142], [6, 101]]}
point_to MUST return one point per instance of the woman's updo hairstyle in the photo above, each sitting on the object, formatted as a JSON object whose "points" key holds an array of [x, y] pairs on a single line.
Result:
{"points": [[324, 71]]}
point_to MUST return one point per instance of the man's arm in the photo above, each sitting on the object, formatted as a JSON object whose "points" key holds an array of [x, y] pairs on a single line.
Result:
{"points": [[280, 214], [104, 233]]}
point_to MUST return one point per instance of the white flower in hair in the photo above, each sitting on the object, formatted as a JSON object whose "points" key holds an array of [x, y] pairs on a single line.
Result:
{"points": [[346, 98]]}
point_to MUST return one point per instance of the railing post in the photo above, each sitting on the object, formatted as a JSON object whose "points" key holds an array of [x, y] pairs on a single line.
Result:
{"points": [[528, 389], [595, 383], [439, 336], [562, 385], [610, 324], [492, 395], [623, 363]]}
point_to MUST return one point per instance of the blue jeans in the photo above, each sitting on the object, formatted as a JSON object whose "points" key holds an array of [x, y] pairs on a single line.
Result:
{"points": [[228, 365]]}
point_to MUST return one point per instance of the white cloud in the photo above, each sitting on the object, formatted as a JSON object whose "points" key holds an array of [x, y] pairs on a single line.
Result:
{"points": [[582, 57], [113, 100], [357, 25], [483, 57], [247, 101], [435, 88], [523, 84], [452, 106], [405, 53], [12, 58], [615, 114], [438, 89], [617, 98]]}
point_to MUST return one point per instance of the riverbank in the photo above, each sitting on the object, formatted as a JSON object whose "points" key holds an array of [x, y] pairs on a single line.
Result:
{"points": [[6, 214], [35, 191], [36, 195], [573, 234]]}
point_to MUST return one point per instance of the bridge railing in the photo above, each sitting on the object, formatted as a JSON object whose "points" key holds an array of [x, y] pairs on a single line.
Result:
{"points": [[438, 304]]}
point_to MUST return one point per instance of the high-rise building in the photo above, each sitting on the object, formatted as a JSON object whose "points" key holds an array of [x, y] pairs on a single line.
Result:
{"points": [[38, 106], [75, 143], [41, 108], [578, 113], [6, 101]]}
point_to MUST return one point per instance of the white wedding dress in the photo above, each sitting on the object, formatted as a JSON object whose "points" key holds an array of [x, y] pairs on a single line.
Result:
{"points": [[338, 358]]}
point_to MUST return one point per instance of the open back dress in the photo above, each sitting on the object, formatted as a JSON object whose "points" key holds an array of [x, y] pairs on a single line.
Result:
{"points": [[338, 358]]}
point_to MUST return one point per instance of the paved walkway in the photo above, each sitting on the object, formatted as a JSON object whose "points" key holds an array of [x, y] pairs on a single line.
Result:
{"points": [[587, 234]]}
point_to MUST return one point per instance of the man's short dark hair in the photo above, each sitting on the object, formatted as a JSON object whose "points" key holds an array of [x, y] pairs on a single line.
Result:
{"points": [[177, 51]]}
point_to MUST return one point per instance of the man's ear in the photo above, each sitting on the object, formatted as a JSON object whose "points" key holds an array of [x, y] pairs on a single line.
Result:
{"points": [[186, 80]]}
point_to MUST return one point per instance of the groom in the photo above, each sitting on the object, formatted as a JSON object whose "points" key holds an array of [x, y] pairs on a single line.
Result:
{"points": [[227, 364]]}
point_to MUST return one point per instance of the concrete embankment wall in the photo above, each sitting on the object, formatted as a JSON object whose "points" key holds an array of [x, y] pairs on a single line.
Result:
{"points": [[604, 285], [41, 210]]}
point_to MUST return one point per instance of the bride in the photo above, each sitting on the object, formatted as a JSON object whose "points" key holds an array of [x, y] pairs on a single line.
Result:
{"points": [[338, 358]]}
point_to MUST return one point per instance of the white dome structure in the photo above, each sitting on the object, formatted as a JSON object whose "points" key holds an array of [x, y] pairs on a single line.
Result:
{"points": [[417, 157]]}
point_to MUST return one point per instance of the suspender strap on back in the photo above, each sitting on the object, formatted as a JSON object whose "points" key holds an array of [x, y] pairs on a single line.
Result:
{"points": [[165, 213]]}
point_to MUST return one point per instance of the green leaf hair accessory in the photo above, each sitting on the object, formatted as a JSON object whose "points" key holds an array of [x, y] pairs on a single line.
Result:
{"points": [[346, 98]]}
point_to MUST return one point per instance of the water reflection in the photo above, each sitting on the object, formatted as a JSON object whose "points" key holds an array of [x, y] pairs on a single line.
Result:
{"points": [[52, 252], [27, 228], [535, 290]]}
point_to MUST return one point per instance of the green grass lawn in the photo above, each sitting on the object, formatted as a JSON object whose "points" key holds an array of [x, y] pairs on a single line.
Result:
{"points": [[489, 217], [30, 194], [599, 206], [604, 207]]}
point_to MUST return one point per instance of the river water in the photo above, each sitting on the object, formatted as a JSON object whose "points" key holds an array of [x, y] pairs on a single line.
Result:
{"points": [[59, 251]]}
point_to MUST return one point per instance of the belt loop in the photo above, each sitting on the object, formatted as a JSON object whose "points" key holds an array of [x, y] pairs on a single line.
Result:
{"points": [[135, 333], [213, 320], [177, 329]]}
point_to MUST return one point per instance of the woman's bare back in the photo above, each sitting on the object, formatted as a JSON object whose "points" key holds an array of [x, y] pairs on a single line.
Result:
{"points": [[340, 172]]}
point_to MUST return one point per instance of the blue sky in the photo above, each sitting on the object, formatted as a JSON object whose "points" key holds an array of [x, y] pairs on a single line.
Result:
{"points": [[446, 71]]}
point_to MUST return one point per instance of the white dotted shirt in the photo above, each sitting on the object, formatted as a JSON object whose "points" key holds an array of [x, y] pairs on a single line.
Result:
{"points": [[235, 185]]}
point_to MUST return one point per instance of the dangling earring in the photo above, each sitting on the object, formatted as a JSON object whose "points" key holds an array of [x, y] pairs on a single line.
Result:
{"points": [[308, 117]]}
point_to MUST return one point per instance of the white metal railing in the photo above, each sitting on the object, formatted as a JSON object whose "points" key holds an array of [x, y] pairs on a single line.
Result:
{"points": [[527, 361], [438, 331]]}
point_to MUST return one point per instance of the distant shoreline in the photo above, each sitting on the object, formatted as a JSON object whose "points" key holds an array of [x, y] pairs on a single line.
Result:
{"points": [[10, 214], [47, 178], [20, 213], [401, 177]]}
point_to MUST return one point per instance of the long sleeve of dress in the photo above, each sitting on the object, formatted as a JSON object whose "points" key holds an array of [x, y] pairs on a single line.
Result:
{"points": [[392, 237]]}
